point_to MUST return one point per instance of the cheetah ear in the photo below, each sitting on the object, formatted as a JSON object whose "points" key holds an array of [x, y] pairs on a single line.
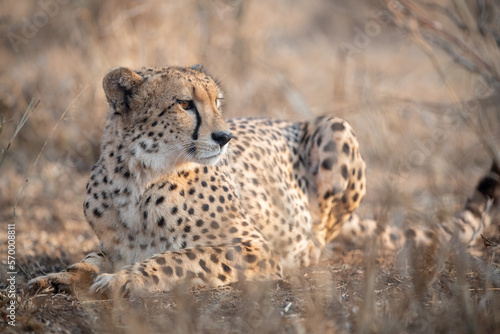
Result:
{"points": [[119, 84]]}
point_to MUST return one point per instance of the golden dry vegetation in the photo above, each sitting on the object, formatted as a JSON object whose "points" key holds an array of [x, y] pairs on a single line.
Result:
{"points": [[418, 80]]}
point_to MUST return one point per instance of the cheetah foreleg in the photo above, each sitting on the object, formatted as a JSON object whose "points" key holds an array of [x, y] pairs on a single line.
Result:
{"points": [[201, 266]]}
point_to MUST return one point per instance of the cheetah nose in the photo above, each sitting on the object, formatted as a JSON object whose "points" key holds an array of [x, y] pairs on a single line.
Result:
{"points": [[222, 138]]}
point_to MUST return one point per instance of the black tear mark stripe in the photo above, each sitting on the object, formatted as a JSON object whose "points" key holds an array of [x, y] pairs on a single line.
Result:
{"points": [[198, 118], [198, 123]]}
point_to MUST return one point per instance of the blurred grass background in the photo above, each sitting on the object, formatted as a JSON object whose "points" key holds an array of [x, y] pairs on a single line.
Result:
{"points": [[284, 59]]}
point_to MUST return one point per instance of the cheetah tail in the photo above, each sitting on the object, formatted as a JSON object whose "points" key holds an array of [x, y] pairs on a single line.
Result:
{"points": [[466, 227]]}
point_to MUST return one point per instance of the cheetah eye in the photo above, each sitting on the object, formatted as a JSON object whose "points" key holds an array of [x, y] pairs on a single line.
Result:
{"points": [[218, 102], [185, 104]]}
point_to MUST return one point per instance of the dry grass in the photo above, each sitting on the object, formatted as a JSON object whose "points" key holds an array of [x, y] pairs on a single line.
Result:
{"points": [[402, 88]]}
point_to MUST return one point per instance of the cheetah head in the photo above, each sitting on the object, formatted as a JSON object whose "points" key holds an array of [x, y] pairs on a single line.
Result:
{"points": [[166, 116]]}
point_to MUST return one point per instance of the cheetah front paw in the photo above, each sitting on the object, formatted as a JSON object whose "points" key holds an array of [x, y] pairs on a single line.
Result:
{"points": [[104, 285], [75, 279], [117, 285], [49, 283], [56, 283]]}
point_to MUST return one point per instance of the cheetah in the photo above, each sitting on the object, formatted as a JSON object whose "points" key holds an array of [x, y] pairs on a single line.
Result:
{"points": [[179, 194]]}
